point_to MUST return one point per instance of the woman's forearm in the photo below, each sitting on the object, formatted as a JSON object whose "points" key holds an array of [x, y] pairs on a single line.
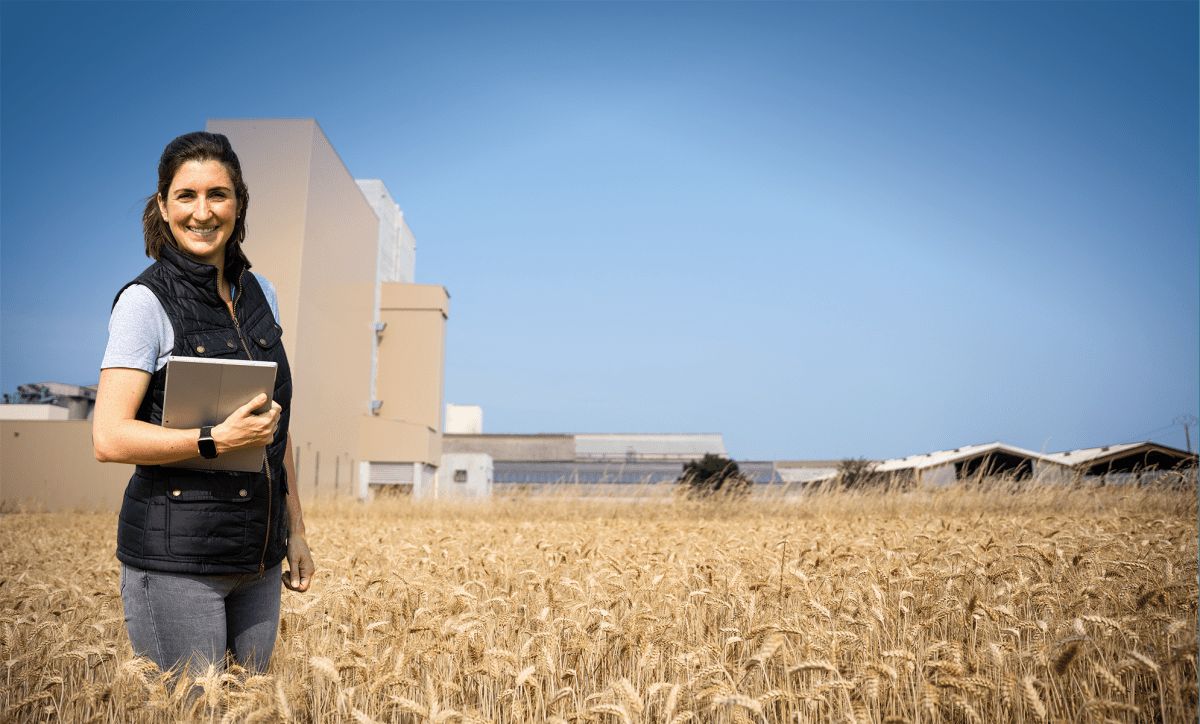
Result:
{"points": [[119, 437], [295, 513], [141, 443]]}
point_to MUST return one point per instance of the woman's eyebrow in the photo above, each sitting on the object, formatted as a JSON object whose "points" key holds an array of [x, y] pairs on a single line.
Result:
{"points": [[210, 189]]}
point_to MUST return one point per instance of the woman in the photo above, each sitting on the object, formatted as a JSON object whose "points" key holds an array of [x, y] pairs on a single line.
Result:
{"points": [[201, 551]]}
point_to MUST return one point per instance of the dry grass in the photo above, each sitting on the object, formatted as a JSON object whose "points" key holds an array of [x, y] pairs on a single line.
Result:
{"points": [[1021, 605]]}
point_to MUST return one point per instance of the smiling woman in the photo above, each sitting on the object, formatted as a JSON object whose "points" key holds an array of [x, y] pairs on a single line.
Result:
{"points": [[201, 209], [201, 552], [199, 179]]}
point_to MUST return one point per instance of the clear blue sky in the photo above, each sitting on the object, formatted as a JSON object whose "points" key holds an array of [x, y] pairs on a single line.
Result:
{"points": [[821, 229]]}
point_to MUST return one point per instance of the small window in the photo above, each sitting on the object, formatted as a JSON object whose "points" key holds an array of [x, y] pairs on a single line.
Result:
{"points": [[460, 476]]}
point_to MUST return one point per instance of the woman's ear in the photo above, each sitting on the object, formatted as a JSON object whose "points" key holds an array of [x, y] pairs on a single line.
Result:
{"points": [[162, 208]]}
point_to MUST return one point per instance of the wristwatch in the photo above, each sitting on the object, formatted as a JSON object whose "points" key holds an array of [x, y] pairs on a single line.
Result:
{"points": [[207, 445]]}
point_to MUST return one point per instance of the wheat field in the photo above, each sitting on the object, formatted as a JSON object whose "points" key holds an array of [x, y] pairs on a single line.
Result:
{"points": [[995, 604]]}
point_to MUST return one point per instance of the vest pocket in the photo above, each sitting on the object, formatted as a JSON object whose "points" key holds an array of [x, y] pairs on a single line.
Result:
{"points": [[209, 518], [267, 337], [215, 343]]}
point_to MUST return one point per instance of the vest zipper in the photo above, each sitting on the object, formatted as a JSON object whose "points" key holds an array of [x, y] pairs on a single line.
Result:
{"points": [[262, 562], [237, 327]]}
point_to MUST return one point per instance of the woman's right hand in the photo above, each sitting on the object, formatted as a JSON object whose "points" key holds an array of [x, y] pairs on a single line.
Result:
{"points": [[247, 428]]}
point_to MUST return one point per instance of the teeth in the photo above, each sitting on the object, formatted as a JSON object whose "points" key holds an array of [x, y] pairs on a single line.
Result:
{"points": [[195, 230]]}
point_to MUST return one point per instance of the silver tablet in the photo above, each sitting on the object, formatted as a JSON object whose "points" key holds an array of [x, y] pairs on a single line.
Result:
{"points": [[203, 391]]}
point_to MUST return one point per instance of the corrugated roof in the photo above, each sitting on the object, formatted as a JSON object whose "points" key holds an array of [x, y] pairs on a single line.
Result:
{"points": [[617, 445], [1094, 454], [1084, 455], [941, 457]]}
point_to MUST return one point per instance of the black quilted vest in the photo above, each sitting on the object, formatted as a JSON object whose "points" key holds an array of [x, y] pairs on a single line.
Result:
{"points": [[199, 521]]}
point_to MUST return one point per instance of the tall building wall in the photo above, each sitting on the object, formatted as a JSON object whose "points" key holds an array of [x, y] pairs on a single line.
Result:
{"points": [[315, 236], [275, 156]]}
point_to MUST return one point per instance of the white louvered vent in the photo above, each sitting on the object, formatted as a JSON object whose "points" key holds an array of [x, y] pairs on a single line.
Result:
{"points": [[391, 473]]}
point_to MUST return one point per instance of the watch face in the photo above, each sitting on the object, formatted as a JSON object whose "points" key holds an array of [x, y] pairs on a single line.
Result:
{"points": [[208, 446]]}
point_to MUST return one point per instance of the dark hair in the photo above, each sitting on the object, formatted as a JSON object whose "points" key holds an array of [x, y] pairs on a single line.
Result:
{"points": [[198, 146]]}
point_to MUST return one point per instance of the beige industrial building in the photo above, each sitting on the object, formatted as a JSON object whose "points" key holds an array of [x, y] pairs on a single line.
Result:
{"points": [[365, 344]]}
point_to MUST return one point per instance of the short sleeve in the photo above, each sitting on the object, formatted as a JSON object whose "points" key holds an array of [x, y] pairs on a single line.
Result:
{"points": [[140, 335], [269, 292]]}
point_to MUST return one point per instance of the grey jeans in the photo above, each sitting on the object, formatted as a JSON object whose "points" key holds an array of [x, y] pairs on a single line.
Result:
{"points": [[186, 620]]}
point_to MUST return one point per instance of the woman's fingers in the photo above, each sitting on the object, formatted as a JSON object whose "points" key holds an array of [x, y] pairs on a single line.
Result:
{"points": [[300, 564], [252, 405], [246, 428]]}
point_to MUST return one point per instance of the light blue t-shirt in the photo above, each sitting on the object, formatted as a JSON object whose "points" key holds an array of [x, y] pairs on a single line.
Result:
{"points": [[140, 335]]}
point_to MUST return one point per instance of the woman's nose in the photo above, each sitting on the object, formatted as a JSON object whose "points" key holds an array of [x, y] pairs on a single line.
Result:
{"points": [[201, 210]]}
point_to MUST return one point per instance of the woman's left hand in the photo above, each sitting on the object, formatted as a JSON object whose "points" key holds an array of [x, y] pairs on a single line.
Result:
{"points": [[300, 564]]}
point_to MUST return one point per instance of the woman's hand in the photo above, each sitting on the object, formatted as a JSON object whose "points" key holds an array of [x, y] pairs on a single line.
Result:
{"points": [[300, 564], [300, 560], [246, 428]]}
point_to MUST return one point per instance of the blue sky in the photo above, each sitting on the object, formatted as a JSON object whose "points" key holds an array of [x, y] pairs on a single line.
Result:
{"points": [[821, 229]]}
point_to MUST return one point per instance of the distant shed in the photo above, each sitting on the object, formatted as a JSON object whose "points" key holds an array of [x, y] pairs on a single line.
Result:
{"points": [[995, 458], [1131, 458]]}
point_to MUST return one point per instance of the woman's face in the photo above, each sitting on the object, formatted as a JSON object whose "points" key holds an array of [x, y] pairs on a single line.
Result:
{"points": [[201, 209]]}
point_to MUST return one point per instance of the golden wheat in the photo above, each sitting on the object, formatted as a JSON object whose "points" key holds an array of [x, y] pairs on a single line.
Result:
{"points": [[961, 605]]}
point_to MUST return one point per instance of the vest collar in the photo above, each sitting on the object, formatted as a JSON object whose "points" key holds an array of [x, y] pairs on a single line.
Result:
{"points": [[197, 273]]}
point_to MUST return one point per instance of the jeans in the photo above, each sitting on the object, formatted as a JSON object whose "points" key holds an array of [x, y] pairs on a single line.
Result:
{"points": [[184, 620]]}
